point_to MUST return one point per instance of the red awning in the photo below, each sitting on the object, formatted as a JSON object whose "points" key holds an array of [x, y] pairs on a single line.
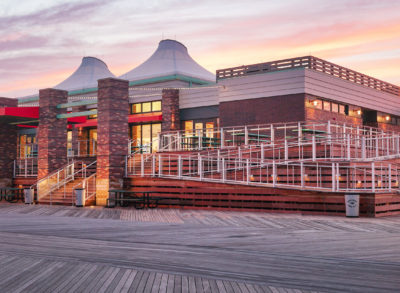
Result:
{"points": [[24, 112]]}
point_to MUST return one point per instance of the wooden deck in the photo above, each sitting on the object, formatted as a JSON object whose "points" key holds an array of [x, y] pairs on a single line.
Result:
{"points": [[66, 249]]}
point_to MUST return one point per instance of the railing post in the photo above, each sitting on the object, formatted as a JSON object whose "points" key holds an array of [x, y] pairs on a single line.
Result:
{"points": [[388, 146], [272, 134], [397, 144], [376, 147], [200, 167], [363, 153], [348, 147], [273, 173], [286, 150], [218, 161], [328, 130], [246, 135], [223, 170], [222, 138], [141, 165], [262, 153], [314, 149], [247, 171], [302, 174], [299, 133], [159, 166], [390, 176], [14, 166], [333, 177], [153, 165], [179, 166], [26, 167], [373, 176], [337, 177]]}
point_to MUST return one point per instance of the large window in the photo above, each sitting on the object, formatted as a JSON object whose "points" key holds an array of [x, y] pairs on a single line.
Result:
{"points": [[144, 136], [146, 107]]}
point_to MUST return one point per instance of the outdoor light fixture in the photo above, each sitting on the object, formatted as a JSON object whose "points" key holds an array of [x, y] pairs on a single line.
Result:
{"points": [[358, 112], [315, 103], [387, 117]]}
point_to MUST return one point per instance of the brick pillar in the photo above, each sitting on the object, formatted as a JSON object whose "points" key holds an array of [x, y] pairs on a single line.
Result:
{"points": [[8, 146], [112, 135], [52, 132], [170, 110]]}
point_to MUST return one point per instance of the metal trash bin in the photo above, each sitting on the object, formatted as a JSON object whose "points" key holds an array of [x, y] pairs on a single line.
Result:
{"points": [[79, 197], [28, 195], [352, 202]]}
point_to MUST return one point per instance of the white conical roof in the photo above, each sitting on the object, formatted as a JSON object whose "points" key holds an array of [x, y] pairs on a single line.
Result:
{"points": [[86, 76], [170, 58]]}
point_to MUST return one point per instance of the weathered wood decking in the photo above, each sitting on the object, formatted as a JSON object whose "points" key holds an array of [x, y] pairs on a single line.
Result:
{"points": [[66, 249]]}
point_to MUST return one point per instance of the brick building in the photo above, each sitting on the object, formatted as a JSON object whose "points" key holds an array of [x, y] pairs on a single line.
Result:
{"points": [[112, 130]]}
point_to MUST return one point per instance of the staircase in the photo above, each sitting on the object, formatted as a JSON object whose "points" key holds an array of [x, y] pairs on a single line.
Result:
{"points": [[58, 188]]}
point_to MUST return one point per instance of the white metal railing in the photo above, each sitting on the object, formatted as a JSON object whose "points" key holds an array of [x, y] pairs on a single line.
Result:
{"points": [[55, 180], [220, 138], [27, 167], [323, 176], [83, 148], [59, 180], [89, 186], [27, 150]]}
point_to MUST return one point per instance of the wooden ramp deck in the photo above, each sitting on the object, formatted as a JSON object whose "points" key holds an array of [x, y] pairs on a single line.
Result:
{"points": [[67, 249]]}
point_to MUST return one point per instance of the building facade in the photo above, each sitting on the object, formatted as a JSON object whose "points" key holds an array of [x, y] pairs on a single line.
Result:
{"points": [[95, 117]]}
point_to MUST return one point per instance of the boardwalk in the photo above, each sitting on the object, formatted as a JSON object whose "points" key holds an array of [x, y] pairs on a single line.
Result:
{"points": [[66, 249]]}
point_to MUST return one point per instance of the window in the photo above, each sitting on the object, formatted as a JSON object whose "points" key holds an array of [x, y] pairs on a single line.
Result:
{"points": [[156, 106], [327, 106], [136, 108], [146, 107], [342, 109], [335, 108]]}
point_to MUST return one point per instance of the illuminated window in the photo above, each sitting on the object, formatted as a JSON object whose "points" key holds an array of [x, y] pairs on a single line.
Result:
{"points": [[156, 106], [146, 107], [94, 116], [327, 106], [136, 108], [335, 107], [342, 109]]}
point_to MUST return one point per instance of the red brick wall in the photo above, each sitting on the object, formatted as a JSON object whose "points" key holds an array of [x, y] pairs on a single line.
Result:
{"points": [[170, 110], [389, 127], [112, 135], [285, 108], [313, 114], [52, 132], [8, 153]]}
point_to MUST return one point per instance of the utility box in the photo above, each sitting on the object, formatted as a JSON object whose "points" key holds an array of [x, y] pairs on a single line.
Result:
{"points": [[79, 197], [28, 195], [352, 202]]}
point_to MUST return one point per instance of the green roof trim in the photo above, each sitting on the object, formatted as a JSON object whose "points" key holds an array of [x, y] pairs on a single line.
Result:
{"points": [[76, 114], [188, 79], [168, 78], [79, 103]]}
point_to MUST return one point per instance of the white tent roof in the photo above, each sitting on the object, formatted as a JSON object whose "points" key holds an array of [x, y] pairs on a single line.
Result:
{"points": [[170, 58], [86, 76]]}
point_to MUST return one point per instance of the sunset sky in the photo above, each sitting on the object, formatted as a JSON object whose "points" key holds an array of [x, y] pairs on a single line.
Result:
{"points": [[42, 41]]}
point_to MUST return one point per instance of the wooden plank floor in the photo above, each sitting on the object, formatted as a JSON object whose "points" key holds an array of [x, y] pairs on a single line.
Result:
{"points": [[67, 249]]}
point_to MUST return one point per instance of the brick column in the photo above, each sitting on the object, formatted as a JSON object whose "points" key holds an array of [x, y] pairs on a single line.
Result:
{"points": [[8, 146], [170, 110], [52, 132], [112, 135]]}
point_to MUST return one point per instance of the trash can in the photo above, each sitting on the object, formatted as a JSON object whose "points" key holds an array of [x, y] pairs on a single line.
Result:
{"points": [[352, 202], [79, 197], [28, 194]]}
